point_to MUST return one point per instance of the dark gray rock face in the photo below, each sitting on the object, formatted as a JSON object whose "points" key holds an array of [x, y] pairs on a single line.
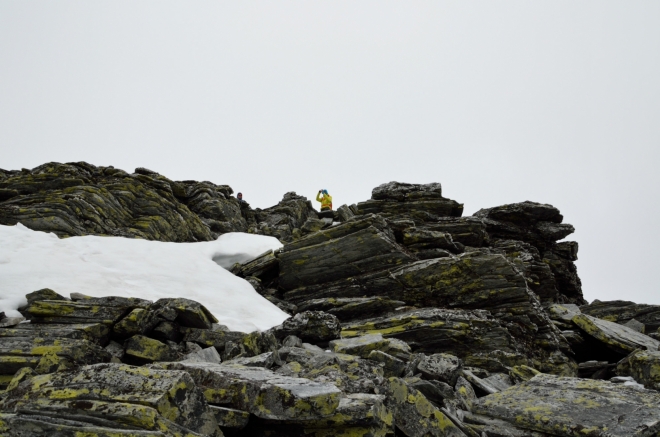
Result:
{"points": [[285, 219], [539, 225], [419, 203], [81, 199]]}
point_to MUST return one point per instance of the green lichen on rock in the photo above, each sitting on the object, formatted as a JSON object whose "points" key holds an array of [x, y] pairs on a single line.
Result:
{"points": [[112, 396], [260, 391], [146, 349], [574, 407], [414, 415], [644, 366], [617, 337]]}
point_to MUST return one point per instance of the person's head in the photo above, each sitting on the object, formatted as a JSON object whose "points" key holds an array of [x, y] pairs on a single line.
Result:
{"points": [[325, 192], [239, 196]]}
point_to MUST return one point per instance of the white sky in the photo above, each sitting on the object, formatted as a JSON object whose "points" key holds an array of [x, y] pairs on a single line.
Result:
{"points": [[550, 101]]}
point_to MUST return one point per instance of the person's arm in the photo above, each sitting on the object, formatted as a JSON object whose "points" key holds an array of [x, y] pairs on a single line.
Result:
{"points": [[318, 197]]}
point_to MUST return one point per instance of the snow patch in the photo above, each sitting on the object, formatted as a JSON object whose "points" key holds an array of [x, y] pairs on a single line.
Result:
{"points": [[116, 266]]}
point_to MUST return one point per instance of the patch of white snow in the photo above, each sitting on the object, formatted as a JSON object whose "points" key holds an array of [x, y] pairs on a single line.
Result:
{"points": [[115, 266]]}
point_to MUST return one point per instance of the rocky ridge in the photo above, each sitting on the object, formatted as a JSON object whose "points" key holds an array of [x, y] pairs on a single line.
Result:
{"points": [[406, 319]]}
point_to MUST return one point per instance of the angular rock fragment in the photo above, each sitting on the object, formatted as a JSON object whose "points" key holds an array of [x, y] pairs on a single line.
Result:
{"points": [[138, 321], [575, 407], [146, 350], [43, 294], [465, 393], [210, 337], [347, 308], [644, 366], [443, 367], [414, 415], [93, 332], [617, 337], [60, 311], [621, 311], [433, 330], [500, 381], [188, 312], [360, 346], [311, 326], [261, 392], [392, 366], [230, 418], [208, 355]]}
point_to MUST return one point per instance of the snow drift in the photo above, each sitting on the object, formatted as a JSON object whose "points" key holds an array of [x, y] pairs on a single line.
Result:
{"points": [[116, 266]]}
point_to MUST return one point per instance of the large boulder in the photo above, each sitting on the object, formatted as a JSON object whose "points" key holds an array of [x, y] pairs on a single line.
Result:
{"points": [[115, 396], [18, 352], [260, 391], [420, 203], [573, 407], [340, 252], [432, 330]]}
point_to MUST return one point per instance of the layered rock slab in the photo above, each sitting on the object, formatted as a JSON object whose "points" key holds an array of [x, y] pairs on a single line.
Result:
{"points": [[575, 407], [619, 338], [81, 199], [340, 252], [621, 311], [260, 391], [434, 330], [115, 396]]}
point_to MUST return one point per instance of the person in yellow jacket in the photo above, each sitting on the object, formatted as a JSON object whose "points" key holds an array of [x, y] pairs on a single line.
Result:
{"points": [[325, 199]]}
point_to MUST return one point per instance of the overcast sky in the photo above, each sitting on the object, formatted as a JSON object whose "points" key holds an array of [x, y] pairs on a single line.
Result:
{"points": [[500, 101]]}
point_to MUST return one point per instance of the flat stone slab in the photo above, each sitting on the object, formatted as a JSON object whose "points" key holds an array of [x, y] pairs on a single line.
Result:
{"points": [[62, 311], [360, 346], [17, 352], [575, 407], [94, 332], [617, 337], [262, 392]]}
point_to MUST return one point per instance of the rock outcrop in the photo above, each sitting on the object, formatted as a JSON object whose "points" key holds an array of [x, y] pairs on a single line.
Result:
{"points": [[406, 319]]}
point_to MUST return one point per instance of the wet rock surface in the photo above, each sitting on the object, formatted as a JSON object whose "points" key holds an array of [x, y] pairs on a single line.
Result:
{"points": [[406, 319]]}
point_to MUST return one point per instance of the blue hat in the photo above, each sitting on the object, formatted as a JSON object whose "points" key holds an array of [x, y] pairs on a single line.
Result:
{"points": [[325, 191]]}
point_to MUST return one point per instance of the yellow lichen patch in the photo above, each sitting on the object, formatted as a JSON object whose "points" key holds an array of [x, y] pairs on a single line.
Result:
{"points": [[67, 393]]}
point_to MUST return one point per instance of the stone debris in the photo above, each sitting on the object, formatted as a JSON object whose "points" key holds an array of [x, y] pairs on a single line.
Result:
{"points": [[406, 319]]}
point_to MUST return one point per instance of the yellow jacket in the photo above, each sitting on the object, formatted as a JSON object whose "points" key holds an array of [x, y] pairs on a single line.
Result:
{"points": [[326, 201]]}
